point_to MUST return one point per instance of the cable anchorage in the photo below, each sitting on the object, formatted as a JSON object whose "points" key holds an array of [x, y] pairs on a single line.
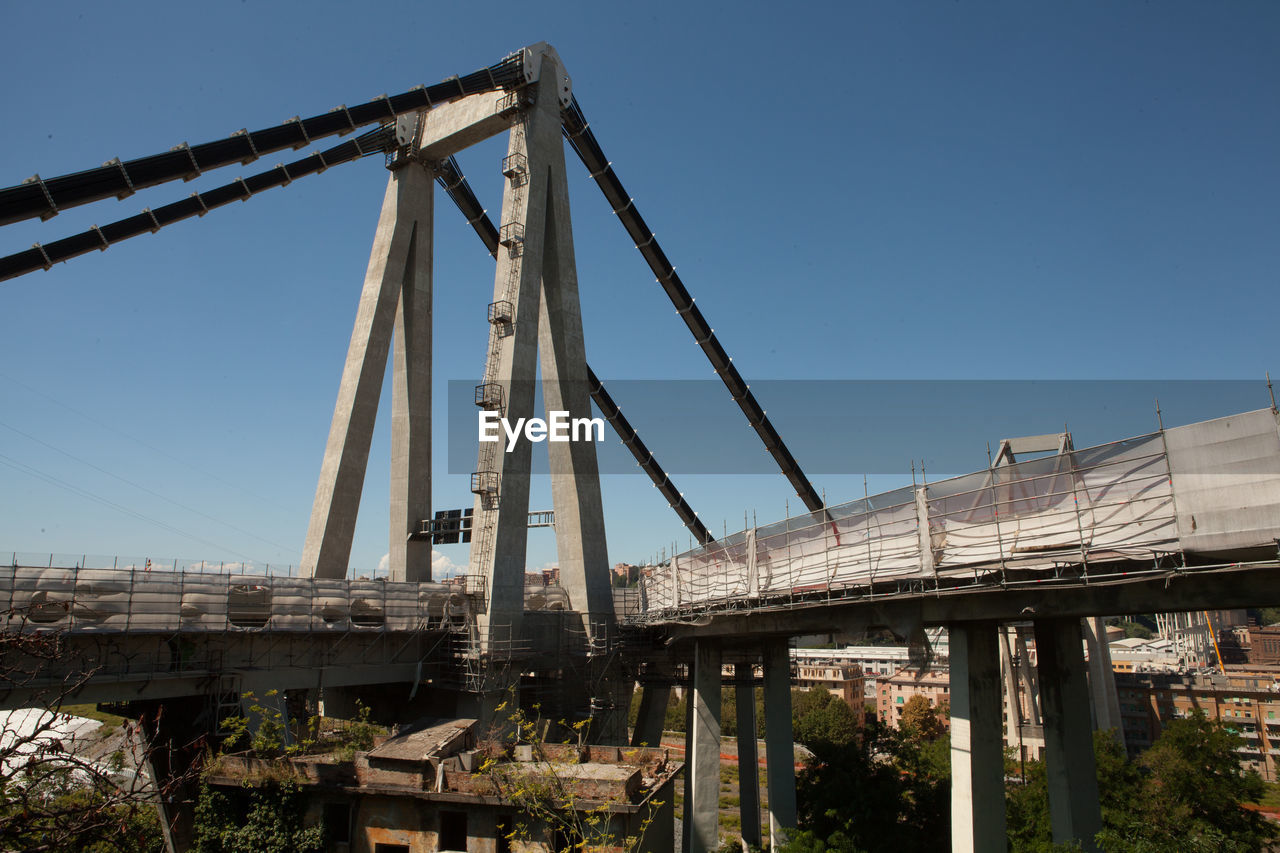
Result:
{"points": [[351, 125], [48, 264], [124, 173], [196, 171], [48, 199], [302, 128], [244, 131]]}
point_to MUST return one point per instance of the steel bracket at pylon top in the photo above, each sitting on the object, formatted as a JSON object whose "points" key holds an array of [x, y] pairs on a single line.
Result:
{"points": [[533, 68]]}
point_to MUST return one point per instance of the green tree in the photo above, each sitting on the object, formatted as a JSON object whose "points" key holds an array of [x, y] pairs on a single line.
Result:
{"points": [[729, 712], [1192, 795], [1186, 793], [1027, 803], [820, 720], [920, 721], [1268, 615], [880, 791], [677, 709], [263, 819]]}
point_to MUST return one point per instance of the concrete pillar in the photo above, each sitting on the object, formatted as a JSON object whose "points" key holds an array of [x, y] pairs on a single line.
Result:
{"points": [[1102, 680], [654, 698], [702, 755], [397, 241], [536, 274], [174, 745], [977, 747], [686, 825], [410, 560], [779, 744], [1030, 685], [748, 767], [1012, 699], [500, 527], [575, 476], [1069, 763]]}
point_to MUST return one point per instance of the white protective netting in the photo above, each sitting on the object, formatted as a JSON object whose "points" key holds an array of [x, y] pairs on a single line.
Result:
{"points": [[1112, 501], [139, 600]]}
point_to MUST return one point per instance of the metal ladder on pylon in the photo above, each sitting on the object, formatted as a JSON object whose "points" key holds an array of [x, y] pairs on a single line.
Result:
{"points": [[490, 394]]}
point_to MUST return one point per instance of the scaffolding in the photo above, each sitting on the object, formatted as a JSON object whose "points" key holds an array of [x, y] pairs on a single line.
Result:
{"points": [[1063, 516]]}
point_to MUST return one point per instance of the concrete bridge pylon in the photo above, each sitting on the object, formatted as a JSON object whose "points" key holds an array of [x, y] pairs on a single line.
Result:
{"points": [[535, 322]]}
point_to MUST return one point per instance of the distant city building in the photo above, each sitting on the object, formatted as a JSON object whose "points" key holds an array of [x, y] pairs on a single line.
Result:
{"points": [[893, 691], [1264, 644], [1245, 699], [1154, 655], [843, 680]]}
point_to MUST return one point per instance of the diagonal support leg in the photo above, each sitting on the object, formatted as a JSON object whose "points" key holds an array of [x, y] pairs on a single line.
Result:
{"points": [[333, 514], [410, 559]]}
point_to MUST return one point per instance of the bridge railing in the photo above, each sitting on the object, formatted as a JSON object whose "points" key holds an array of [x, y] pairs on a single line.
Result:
{"points": [[1108, 503], [173, 564]]}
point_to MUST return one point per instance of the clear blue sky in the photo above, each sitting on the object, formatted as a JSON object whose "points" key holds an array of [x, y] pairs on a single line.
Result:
{"points": [[863, 190]]}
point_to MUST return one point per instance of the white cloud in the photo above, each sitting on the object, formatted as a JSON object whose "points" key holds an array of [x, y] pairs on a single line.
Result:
{"points": [[384, 565], [443, 567]]}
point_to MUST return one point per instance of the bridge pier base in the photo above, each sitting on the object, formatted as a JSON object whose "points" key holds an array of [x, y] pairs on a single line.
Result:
{"points": [[748, 769], [702, 753], [977, 746], [779, 743], [1074, 812]]}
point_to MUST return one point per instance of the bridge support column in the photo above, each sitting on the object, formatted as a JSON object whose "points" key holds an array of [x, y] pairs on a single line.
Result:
{"points": [[1102, 680], [396, 297], [779, 744], [748, 767], [1074, 812], [702, 753], [654, 698], [977, 747]]}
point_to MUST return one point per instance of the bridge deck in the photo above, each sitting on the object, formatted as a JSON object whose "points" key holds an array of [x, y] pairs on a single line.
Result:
{"points": [[1203, 493]]}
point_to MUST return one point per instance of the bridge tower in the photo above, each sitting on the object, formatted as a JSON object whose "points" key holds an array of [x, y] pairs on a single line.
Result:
{"points": [[534, 321]]}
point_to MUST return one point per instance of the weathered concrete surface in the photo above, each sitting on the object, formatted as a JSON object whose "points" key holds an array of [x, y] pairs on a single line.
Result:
{"points": [[977, 744], [516, 371], [449, 128], [779, 747], [411, 404], [702, 807], [653, 714], [1102, 680], [397, 240], [748, 769], [1069, 764]]}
